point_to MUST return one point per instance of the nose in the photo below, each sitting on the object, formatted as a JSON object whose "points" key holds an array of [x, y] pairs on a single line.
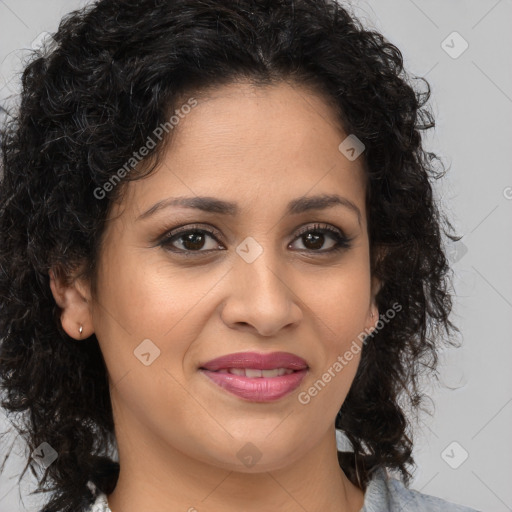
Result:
{"points": [[260, 296]]}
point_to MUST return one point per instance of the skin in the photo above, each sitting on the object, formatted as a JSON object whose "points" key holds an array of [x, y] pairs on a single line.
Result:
{"points": [[178, 434]]}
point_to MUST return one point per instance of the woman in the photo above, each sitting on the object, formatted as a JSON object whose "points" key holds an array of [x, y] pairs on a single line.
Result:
{"points": [[219, 247]]}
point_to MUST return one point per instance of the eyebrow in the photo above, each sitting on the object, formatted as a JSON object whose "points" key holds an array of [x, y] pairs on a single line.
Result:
{"points": [[218, 206]]}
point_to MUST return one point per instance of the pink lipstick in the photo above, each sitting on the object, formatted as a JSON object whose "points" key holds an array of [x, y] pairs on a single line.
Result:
{"points": [[255, 376]]}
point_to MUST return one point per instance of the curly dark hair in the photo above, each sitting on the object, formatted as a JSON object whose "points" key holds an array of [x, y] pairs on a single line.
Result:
{"points": [[118, 68]]}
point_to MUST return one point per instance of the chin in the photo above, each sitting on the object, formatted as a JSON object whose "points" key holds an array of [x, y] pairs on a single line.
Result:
{"points": [[255, 457]]}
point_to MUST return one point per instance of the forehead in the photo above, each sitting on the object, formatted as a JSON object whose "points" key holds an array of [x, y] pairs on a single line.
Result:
{"points": [[252, 115], [242, 141]]}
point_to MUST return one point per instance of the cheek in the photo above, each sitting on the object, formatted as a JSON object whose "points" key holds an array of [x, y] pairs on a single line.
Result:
{"points": [[338, 300], [142, 296], [328, 390], [144, 299]]}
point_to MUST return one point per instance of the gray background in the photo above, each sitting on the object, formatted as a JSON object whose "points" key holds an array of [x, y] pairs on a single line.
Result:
{"points": [[472, 103]]}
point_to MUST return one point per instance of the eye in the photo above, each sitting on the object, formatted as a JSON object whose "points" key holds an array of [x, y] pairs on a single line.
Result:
{"points": [[195, 239], [191, 239], [313, 237]]}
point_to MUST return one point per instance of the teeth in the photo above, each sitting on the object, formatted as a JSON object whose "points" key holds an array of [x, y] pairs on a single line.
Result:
{"points": [[249, 372], [254, 373], [273, 373]]}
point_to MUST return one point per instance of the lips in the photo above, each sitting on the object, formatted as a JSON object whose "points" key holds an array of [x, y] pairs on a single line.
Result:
{"points": [[257, 377], [256, 361]]}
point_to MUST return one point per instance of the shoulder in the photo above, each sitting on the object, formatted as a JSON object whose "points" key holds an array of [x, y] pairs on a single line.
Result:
{"points": [[387, 494], [100, 500], [383, 494], [99, 504]]}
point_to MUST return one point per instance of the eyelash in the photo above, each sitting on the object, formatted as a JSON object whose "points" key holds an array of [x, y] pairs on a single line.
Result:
{"points": [[342, 242]]}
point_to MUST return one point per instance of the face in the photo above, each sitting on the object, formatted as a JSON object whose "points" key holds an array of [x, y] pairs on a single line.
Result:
{"points": [[179, 286]]}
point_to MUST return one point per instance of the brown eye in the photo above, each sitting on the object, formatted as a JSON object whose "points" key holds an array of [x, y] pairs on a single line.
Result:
{"points": [[314, 238], [195, 240], [192, 240]]}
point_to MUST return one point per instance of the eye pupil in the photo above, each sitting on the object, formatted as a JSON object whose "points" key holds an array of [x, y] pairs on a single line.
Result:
{"points": [[316, 238], [192, 238]]}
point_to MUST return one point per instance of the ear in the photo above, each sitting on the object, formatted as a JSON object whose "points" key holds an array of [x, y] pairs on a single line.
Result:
{"points": [[74, 299], [373, 310], [378, 254]]}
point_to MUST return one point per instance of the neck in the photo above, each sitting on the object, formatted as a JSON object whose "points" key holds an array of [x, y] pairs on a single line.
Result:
{"points": [[154, 476]]}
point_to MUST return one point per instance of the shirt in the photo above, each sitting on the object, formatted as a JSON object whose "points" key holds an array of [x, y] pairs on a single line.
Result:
{"points": [[383, 494]]}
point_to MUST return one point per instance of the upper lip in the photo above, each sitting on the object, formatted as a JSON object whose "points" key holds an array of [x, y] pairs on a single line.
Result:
{"points": [[256, 360]]}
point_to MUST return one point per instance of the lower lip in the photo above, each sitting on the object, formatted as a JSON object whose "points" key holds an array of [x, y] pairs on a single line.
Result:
{"points": [[257, 389]]}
